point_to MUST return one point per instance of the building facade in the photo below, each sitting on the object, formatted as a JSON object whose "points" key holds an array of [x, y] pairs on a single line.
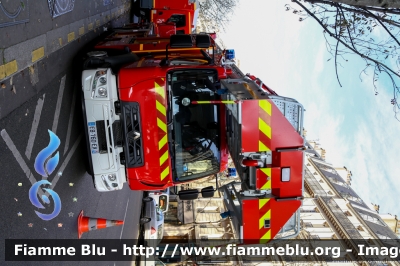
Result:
{"points": [[331, 210]]}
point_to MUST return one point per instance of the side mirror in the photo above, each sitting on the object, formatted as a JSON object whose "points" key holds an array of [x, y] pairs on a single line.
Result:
{"points": [[181, 41], [203, 41], [208, 192], [189, 194], [192, 194]]}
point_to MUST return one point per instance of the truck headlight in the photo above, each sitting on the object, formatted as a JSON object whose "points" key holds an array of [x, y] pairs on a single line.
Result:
{"points": [[102, 92], [103, 80], [112, 177], [185, 101], [99, 80]]}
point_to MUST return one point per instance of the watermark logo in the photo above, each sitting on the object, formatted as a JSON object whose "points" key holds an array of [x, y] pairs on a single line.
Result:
{"points": [[45, 164]]}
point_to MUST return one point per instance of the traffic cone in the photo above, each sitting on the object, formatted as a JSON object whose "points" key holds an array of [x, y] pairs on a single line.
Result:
{"points": [[86, 224]]}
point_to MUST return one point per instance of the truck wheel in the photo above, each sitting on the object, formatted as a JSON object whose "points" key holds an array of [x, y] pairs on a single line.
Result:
{"points": [[144, 220], [147, 199]]}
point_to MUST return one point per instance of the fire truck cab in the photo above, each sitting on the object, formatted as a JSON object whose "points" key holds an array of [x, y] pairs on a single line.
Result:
{"points": [[167, 111]]}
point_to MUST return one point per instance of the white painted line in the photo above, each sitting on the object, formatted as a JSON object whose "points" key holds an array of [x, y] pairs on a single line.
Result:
{"points": [[71, 117], [126, 209], [114, 250], [35, 123], [66, 161], [58, 106], [17, 156]]}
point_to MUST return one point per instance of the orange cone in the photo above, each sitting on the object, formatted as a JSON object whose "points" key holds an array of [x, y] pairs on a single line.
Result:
{"points": [[86, 224]]}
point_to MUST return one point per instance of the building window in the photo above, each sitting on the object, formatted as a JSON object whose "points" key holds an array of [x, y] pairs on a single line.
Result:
{"points": [[207, 209], [308, 224], [330, 192], [382, 236], [347, 213], [315, 173], [307, 210], [321, 181], [314, 237], [371, 219], [211, 236], [360, 228]]}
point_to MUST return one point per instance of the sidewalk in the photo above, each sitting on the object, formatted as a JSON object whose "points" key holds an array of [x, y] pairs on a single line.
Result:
{"points": [[34, 35]]}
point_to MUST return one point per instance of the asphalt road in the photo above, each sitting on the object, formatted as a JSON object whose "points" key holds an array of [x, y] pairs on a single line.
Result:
{"points": [[54, 105], [24, 134]]}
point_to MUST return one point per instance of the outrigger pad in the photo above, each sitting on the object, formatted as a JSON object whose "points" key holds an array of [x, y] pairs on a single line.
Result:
{"points": [[180, 41], [203, 41]]}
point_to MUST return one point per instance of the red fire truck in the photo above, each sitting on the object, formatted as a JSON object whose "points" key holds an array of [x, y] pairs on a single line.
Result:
{"points": [[167, 111], [182, 13]]}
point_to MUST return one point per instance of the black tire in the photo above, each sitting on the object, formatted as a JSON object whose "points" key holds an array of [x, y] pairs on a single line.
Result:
{"points": [[144, 220], [147, 199]]}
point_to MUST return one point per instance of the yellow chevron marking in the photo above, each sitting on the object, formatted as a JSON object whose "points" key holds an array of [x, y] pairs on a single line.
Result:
{"points": [[262, 202], [265, 238], [262, 147], [161, 125], [162, 142], [266, 171], [164, 157], [159, 90], [161, 108], [266, 106], [264, 127], [266, 185], [266, 216], [164, 173]]}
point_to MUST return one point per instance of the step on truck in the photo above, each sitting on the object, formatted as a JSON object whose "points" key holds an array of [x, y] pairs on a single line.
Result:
{"points": [[169, 111]]}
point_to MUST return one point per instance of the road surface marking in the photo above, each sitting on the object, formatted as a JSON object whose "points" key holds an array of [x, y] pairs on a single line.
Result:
{"points": [[126, 209], [35, 123], [58, 106], [71, 117], [17, 156], [66, 161]]}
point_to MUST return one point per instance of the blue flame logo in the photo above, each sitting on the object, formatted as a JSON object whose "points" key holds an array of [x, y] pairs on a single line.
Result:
{"points": [[45, 165]]}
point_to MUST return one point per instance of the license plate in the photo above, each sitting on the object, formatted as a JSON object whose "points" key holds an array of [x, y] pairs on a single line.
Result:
{"points": [[94, 145]]}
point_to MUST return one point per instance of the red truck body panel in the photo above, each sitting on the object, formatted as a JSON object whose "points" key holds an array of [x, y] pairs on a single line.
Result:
{"points": [[255, 212]]}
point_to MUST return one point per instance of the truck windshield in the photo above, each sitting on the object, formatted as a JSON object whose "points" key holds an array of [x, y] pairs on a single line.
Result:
{"points": [[196, 125]]}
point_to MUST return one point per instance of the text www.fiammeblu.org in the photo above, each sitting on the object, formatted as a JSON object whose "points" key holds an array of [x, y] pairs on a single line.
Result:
{"points": [[233, 250]]}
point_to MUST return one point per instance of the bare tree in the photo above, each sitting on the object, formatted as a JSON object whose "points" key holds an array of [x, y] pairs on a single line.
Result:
{"points": [[216, 14], [367, 28]]}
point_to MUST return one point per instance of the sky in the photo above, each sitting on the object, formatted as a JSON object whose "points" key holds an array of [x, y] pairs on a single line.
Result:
{"points": [[356, 127]]}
